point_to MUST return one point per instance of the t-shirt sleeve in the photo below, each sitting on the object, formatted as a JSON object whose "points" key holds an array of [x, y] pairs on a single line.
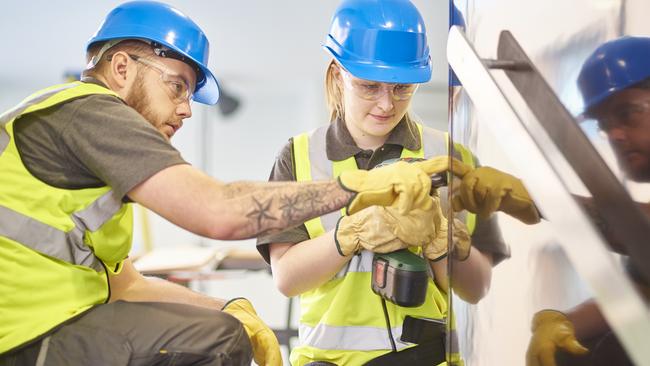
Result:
{"points": [[115, 143], [487, 238], [282, 171]]}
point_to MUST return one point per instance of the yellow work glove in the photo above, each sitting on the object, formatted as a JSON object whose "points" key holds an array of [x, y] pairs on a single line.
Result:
{"points": [[485, 190], [266, 349], [437, 249], [462, 241], [551, 330], [383, 229], [402, 185]]}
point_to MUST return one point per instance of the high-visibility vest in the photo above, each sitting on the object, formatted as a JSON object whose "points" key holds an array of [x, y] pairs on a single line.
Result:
{"points": [[342, 321], [57, 246]]}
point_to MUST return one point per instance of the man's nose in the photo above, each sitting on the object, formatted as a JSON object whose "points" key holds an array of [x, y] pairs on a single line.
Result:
{"points": [[616, 133], [184, 110]]}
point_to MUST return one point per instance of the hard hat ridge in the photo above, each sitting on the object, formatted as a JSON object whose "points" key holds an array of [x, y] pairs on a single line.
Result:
{"points": [[380, 40]]}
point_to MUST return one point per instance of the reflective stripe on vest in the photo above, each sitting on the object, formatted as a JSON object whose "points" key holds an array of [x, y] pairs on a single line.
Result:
{"points": [[327, 337], [66, 246], [4, 139]]}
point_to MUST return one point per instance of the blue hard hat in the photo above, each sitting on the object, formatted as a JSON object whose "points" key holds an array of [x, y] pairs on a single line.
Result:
{"points": [[167, 26], [455, 18], [380, 40], [614, 66]]}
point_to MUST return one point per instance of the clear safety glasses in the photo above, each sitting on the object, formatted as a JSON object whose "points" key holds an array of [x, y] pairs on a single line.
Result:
{"points": [[176, 87], [627, 116], [372, 90]]}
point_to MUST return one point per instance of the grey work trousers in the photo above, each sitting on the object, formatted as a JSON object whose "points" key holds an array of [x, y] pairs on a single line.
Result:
{"points": [[138, 334]]}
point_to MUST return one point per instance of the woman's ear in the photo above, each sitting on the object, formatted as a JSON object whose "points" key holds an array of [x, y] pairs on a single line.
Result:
{"points": [[336, 73]]}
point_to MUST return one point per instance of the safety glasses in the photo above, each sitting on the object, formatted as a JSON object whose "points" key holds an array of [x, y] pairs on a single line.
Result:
{"points": [[176, 87], [372, 90], [627, 116]]}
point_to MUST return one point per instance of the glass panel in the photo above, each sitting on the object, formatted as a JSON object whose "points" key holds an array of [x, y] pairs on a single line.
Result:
{"points": [[566, 260]]}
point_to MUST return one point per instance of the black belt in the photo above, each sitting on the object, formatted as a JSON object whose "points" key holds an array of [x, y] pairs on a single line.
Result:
{"points": [[429, 335]]}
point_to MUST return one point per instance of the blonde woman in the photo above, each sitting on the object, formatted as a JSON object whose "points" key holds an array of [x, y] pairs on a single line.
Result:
{"points": [[380, 55]]}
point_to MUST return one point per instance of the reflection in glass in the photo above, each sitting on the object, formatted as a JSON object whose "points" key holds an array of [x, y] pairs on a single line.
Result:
{"points": [[538, 275]]}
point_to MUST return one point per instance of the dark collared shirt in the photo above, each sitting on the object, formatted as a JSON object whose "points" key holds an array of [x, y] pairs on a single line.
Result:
{"points": [[93, 141], [340, 146]]}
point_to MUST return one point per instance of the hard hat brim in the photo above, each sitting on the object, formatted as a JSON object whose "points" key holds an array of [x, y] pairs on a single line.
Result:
{"points": [[208, 91], [407, 74]]}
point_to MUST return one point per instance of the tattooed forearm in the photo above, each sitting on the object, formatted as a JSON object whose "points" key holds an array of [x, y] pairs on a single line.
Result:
{"points": [[260, 212], [273, 207]]}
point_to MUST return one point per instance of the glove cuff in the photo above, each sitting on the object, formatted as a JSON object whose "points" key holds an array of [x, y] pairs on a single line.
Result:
{"points": [[461, 257], [345, 188], [441, 257], [549, 315], [338, 232], [232, 301]]}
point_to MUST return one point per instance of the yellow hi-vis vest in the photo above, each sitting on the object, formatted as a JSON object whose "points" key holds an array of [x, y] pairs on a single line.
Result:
{"points": [[342, 321], [56, 245]]}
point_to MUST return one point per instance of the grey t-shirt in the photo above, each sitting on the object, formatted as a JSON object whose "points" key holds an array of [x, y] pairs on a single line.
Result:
{"points": [[340, 145], [92, 141]]}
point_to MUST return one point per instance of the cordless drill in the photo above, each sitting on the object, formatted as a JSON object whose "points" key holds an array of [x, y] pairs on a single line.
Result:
{"points": [[401, 276]]}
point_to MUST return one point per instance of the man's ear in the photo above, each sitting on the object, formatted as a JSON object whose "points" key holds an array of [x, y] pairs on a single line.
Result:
{"points": [[122, 69]]}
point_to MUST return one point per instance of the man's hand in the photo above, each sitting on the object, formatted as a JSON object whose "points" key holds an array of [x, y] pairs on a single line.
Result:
{"points": [[551, 330], [383, 229], [266, 349], [402, 185], [485, 190]]}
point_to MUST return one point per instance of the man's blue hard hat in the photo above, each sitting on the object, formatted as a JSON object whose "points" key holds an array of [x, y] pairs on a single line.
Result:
{"points": [[167, 26], [612, 67], [380, 40]]}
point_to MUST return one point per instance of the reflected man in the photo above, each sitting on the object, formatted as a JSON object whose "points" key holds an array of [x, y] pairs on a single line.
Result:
{"points": [[615, 85]]}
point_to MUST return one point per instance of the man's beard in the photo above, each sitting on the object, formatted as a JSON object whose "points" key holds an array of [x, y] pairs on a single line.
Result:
{"points": [[140, 101], [641, 176]]}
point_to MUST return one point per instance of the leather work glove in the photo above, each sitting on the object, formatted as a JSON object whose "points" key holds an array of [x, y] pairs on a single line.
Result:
{"points": [[437, 249], [266, 349], [485, 190], [383, 229], [462, 241], [551, 330], [402, 185]]}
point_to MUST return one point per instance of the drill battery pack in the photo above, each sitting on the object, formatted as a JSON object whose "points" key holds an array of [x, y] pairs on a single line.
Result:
{"points": [[400, 277]]}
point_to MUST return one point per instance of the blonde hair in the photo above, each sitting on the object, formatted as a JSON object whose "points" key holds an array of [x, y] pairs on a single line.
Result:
{"points": [[334, 95]]}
